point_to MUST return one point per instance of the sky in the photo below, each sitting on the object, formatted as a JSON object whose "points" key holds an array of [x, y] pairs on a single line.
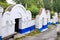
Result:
{"points": [[10, 2]]}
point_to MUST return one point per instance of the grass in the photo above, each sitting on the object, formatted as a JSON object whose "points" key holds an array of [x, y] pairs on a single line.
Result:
{"points": [[49, 27], [58, 22], [36, 31], [33, 33], [20, 38]]}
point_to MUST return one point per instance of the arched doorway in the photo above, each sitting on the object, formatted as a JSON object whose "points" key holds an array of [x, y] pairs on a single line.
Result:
{"points": [[16, 24]]}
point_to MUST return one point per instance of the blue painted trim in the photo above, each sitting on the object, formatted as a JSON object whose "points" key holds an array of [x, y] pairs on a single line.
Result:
{"points": [[52, 23], [26, 29], [56, 23], [49, 23], [43, 27], [0, 37]]}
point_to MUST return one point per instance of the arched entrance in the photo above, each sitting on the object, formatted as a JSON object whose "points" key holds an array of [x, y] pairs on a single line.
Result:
{"points": [[16, 24], [19, 15]]}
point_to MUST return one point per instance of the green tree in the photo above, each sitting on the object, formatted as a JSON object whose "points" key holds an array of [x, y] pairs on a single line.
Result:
{"points": [[39, 3], [48, 4], [56, 5], [24, 2], [28, 3], [2, 0], [4, 4]]}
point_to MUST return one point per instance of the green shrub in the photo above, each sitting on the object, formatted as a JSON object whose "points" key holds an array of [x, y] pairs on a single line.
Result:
{"points": [[34, 10], [58, 22], [52, 13], [4, 4]]}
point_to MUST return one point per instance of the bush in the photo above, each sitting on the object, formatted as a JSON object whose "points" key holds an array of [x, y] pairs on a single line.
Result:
{"points": [[52, 13], [4, 4], [34, 10]]}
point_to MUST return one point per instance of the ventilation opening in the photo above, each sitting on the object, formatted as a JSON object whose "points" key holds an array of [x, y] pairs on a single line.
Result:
{"points": [[16, 25]]}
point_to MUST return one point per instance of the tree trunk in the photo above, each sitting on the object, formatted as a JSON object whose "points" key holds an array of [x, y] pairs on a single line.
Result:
{"points": [[26, 5]]}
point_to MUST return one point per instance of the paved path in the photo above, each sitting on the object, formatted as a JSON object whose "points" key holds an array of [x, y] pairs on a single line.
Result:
{"points": [[47, 35], [58, 30]]}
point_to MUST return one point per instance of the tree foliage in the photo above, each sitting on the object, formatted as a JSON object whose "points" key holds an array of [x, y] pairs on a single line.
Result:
{"points": [[53, 5], [2, 0], [56, 5], [47, 4], [4, 4]]}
